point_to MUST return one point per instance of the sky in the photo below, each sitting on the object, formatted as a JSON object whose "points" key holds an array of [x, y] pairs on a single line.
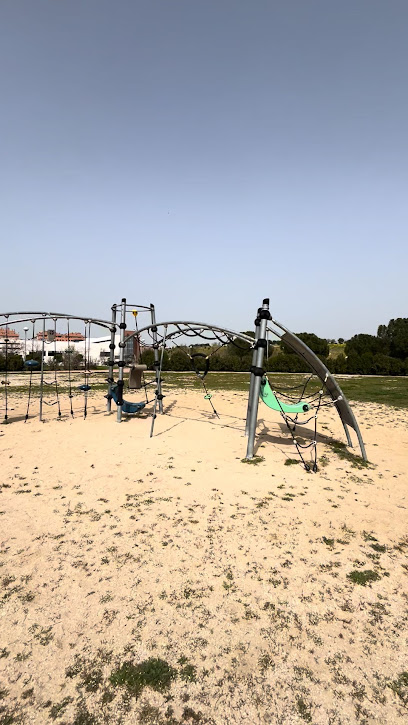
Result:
{"points": [[203, 155]]}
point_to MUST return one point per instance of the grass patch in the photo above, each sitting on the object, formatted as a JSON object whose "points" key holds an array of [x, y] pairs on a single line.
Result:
{"points": [[400, 687], [379, 547], [384, 389], [58, 709], [363, 577], [291, 462], [303, 710], [265, 662], [341, 450], [188, 673], [154, 673], [253, 461]]}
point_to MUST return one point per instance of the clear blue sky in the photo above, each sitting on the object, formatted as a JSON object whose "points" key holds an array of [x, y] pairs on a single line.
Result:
{"points": [[204, 154]]}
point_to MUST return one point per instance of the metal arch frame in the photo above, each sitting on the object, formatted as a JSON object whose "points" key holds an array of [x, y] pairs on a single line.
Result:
{"points": [[283, 333], [194, 327], [340, 401], [128, 304], [51, 316], [36, 316], [122, 308]]}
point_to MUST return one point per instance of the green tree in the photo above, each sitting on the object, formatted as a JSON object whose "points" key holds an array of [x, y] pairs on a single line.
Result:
{"points": [[13, 362], [241, 348], [179, 360], [395, 335], [147, 358], [359, 344], [72, 359], [318, 345], [338, 364]]}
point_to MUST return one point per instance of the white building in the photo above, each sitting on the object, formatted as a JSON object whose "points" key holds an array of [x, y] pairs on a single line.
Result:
{"points": [[97, 348]]}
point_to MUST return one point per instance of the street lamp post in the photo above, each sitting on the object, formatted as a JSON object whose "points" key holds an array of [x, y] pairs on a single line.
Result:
{"points": [[25, 343]]}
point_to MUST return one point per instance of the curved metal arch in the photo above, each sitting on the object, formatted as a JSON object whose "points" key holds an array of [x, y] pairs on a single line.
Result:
{"points": [[340, 401], [128, 304], [194, 327], [52, 315]]}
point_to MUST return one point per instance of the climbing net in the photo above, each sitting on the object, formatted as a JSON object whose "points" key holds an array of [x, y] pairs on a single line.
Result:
{"points": [[179, 335], [311, 396], [40, 354]]}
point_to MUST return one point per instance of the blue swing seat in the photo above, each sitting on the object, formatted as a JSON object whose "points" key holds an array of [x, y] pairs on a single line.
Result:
{"points": [[127, 407]]}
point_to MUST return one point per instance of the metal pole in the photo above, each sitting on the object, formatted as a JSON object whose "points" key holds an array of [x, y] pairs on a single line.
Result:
{"points": [[121, 362], [156, 357], [158, 372], [42, 371], [111, 359], [257, 370], [25, 343], [252, 378], [346, 430]]}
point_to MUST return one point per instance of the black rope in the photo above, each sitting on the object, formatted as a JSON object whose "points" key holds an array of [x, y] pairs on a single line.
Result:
{"points": [[158, 380], [6, 376], [139, 357], [87, 362], [295, 422], [54, 382], [200, 375], [69, 372], [31, 378], [55, 369]]}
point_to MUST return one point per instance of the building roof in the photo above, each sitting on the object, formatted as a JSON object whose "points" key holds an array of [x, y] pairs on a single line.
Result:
{"points": [[73, 336], [10, 334]]}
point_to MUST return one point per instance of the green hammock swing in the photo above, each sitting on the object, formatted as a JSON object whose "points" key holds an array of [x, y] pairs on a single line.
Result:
{"points": [[269, 398]]}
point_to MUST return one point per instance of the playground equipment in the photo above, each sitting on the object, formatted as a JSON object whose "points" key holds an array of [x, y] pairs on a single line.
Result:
{"points": [[115, 388], [296, 406]]}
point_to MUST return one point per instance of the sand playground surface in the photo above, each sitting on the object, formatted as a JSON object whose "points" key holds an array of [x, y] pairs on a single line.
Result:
{"points": [[164, 581]]}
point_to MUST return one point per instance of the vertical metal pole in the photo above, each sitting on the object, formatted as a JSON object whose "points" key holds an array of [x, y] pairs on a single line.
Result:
{"points": [[111, 358], [159, 369], [264, 316], [252, 378], [156, 357], [121, 362], [346, 430], [42, 370]]}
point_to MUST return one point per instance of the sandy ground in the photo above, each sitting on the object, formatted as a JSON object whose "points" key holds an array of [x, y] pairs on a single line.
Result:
{"points": [[165, 581]]}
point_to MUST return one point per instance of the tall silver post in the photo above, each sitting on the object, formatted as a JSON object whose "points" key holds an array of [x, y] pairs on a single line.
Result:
{"points": [[158, 372], [111, 358], [25, 343], [156, 358], [252, 378], [257, 370], [42, 371], [121, 362]]}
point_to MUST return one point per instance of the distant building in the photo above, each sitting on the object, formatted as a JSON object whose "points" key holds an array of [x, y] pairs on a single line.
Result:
{"points": [[73, 336], [10, 341], [97, 348]]}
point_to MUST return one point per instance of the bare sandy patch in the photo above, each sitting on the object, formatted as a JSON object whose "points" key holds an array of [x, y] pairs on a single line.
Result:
{"points": [[165, 581]]}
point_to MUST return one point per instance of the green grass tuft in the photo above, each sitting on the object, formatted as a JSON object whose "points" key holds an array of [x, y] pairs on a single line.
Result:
{"points": [[400, 687], [154, 673], [363, 577], [253, 461]]}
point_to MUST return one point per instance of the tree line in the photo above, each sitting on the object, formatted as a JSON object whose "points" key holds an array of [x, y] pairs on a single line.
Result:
{"points": [[383, 354]]}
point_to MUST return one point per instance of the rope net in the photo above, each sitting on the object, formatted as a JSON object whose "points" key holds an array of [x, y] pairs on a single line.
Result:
{"points": [[313, 394]]}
